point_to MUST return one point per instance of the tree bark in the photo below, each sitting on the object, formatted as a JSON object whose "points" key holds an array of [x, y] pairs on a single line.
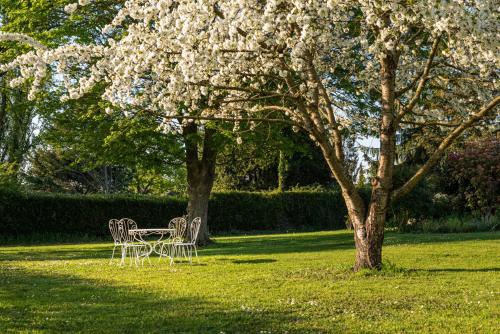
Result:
{"points": [[282, 167], [3, 120], [369, 248], [200, 175]]}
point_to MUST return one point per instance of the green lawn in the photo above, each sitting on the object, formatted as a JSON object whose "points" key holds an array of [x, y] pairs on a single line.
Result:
{"points": [[289, 283]]}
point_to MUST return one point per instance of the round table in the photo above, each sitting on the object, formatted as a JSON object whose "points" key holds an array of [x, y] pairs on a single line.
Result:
{"points": [[157, 246]]}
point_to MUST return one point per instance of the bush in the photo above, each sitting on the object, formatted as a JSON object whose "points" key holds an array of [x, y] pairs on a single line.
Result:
{"points": [[452, 224], [304, 210], [24, 214], [474, 174]]}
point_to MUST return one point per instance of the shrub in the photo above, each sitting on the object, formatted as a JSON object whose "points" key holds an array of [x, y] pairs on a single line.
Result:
{"points": [[452, 224], [305, 210], [474, 174], [22, 214]]}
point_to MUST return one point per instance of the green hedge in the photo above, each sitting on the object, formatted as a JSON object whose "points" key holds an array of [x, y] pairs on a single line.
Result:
{"points": [[276, 211], [23, 214]]}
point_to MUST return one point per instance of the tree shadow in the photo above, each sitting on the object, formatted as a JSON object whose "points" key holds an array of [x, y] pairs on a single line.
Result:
{"points": [[245, 245], [277, 244], [269, 244], [56, 303], [73, 252], [254, 261]]}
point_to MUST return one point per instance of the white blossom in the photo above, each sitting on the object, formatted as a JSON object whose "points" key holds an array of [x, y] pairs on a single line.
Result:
{"points": [[225, 53], [71, 8]]}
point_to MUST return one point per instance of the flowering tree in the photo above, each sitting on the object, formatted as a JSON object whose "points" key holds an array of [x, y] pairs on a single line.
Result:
{"points": [[328, 66]]}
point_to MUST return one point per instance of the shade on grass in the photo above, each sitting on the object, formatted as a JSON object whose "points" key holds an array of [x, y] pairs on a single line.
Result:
{"points": [[295, 283]]}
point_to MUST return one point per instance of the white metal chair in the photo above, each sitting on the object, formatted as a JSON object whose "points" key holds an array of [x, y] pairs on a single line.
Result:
{"points": [[188, 245], [120, 232], [179, 225]]}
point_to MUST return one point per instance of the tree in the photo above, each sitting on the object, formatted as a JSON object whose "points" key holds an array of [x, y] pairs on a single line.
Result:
{"points": [[55, 25], [269, 156], [55, 170], [104, 152], [21, 119], [473, 172], [372, 67]]}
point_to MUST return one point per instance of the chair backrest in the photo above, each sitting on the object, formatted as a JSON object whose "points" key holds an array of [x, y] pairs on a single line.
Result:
{"points": [[179, 224], [119, 230], [194, 229], [126, 224], [113, 228]]}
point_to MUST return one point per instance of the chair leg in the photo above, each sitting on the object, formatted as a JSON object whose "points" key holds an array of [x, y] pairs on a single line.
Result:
{"points": [[124, 255], [173, 254], [196, 253], [112, 255], [136, 256], [131, 255], [161, 252], [146, 255], [144, 258]]}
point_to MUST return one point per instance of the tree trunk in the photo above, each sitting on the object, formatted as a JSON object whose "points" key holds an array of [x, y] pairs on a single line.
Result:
{"points": [[199, 194], [282, 167], [369, 223], [369, 249], [200, 175], [3, 121]]}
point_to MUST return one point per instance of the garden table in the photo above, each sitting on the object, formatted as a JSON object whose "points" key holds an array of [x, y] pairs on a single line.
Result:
{"points": [[158, 245]]}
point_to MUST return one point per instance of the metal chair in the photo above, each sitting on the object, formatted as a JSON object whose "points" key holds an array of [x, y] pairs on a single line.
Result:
{"points": [[179, 225], [188, 245], [113, 228], [120, 232]]}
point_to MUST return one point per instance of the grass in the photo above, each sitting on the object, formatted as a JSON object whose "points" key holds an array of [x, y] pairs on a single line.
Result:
{"points": [[288, 283]]}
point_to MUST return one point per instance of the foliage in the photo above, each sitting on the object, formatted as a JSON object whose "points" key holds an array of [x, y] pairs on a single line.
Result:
{"points": [[452, 224], [473, 174], [306, 208], [425, 201], [306, 166], [21, 120], [8, 174], [250, 165], [86, 141], [294, 283], [55, 170], [77, 214], [255, 164]]}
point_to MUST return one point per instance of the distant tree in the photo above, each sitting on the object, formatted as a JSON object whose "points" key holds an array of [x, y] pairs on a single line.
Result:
{"points": [[56, 171], [473, 175]]}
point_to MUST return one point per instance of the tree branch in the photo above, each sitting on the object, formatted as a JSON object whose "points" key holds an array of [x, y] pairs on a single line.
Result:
{"points": [[233, 119], [421, 82], [431, 123], [433, 160]]}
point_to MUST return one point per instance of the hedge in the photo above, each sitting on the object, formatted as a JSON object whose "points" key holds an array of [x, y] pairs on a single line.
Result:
{"points": [[22, 214], [276, 211]]}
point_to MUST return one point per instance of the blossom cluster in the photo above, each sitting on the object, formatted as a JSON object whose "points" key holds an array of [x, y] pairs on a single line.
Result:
{"points": [[228, 58]]}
